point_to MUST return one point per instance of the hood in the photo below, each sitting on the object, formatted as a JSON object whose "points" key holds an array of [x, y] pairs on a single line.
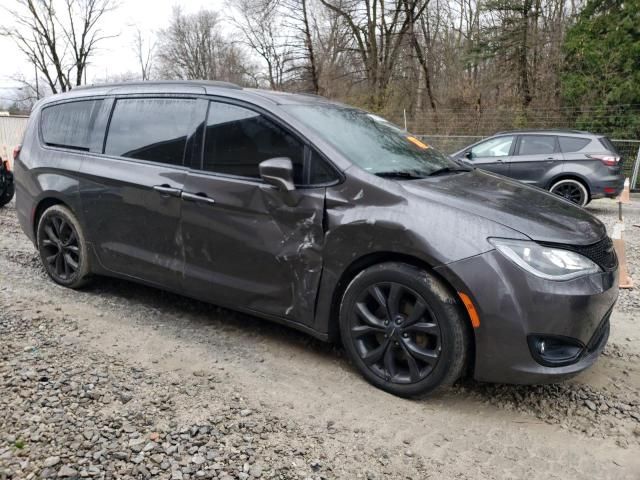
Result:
{"points": [[539, 215]]}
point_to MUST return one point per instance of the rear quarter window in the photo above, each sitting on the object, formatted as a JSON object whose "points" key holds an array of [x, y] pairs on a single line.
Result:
{"points": [[68, 125], [606, 143], [572, 144]]}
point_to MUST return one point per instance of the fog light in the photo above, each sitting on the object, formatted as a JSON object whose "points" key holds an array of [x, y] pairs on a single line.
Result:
{"points": [[555, 351]]}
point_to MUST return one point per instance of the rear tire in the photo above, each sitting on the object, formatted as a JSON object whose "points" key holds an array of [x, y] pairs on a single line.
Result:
{"points": [[573, 190], [403, 329], [7, 194], [62, 247]]}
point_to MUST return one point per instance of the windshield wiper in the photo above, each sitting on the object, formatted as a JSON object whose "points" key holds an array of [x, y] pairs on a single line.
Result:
{"points": [[443, 170], [399, 174]]}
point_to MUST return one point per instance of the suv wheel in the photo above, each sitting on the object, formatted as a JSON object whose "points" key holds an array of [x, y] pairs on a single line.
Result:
{"points": [[7, 194], [403, 330], [62, 247], [572, 190]]}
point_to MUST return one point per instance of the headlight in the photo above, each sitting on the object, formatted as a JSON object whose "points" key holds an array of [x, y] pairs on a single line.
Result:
{"points": [[545, 262]]}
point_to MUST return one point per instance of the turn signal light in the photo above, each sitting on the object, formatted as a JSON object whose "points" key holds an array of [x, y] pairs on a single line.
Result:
{"points": [[471, 309]]}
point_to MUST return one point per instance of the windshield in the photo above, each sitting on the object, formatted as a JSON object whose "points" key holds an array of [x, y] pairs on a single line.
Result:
{"points": [[373, 143]]}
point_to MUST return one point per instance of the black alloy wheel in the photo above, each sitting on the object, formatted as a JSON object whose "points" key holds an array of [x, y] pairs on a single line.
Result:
{"points": [[404, 329], [572, 190], [395, 333], [62, 247]]}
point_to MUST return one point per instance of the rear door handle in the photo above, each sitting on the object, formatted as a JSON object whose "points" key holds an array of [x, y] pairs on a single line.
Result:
{"points": [[197, 197], [167, 191]]}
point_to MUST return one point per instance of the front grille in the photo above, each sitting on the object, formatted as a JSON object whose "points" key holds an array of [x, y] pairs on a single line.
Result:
{"points": [[601, 253]]}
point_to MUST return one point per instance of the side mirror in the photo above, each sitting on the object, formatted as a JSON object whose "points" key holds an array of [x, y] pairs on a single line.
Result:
{"points": [[468, 155], [278, 172]]}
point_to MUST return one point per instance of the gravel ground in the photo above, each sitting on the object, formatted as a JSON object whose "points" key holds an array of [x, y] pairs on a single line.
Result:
{"points": [[124, 381]]}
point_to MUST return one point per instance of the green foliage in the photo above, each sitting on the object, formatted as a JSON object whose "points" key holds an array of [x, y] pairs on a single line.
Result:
{"points": [[602, 67]]}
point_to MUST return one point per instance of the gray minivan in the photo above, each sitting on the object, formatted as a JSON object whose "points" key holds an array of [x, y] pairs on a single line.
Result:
{"points": [[579, 166], [319, 216]]}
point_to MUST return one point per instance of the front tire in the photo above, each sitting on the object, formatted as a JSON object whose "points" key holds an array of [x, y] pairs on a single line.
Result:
{"points": [[572, 190], [62, 247], [403, 329]]}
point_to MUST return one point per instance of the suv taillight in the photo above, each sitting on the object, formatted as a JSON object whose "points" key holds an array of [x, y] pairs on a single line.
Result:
{"points": [[608, 160]]}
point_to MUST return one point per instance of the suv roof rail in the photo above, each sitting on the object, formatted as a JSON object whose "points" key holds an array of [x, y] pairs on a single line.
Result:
{"points": [[545, 130], [138, 83]]}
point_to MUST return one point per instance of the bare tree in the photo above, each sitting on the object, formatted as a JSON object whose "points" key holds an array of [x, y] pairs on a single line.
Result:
{"points": [[145, 51], [378, 31], [193, 47], [299, 20], [264, 32], [57, 37]]}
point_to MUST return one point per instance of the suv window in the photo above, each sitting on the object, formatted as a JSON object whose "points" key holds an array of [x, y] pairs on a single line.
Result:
{"points": [[537, 144], [237, 140], [495, 147], [154, 129], [572, 144], [69, 124]]}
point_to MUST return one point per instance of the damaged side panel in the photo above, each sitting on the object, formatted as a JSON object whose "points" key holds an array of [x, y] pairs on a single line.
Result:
{"points": [[365, 219], [256, 248]]}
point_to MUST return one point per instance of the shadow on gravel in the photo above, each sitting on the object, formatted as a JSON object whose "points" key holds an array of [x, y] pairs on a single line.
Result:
{"points": [[197, 315]]}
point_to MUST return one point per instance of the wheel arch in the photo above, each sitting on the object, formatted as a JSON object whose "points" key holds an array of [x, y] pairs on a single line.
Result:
{"points": [[375, 258], [42, 205], [570, 176]]}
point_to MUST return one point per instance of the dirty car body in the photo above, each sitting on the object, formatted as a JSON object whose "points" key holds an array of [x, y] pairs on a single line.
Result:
{"points": [[185, 212]]}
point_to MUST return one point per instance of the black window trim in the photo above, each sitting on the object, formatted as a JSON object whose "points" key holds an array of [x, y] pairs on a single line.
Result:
{"points": [[556, 148], [65, 148], [309, 148], [187, 162]]}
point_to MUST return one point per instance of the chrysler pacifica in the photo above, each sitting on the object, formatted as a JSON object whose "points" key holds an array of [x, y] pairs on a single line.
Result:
{"points": [[323, 217]]}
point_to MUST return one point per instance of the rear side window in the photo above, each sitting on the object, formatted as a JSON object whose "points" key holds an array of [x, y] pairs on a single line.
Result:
{"points": [[154, 129], [537, 144], [572, 144], [69, 124], [608, 144], [237, 140]]}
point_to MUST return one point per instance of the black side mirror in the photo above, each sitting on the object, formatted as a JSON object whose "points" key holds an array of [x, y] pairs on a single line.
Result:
{"points": [[278, 172], [468, 155]]}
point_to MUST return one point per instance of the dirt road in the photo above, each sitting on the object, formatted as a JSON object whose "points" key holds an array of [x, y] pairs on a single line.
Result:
{"points": [[269, 402]]}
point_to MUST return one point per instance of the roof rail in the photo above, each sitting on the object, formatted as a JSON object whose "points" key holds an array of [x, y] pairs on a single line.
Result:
{"points": [[545, 130], [137, 83]]}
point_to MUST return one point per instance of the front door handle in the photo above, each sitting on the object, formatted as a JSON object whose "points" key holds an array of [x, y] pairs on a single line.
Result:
{"points": [[197, 197], [167, 191]]}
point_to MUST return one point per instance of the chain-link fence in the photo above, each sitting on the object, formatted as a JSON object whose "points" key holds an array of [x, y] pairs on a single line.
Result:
{"points": [[629, 151]]}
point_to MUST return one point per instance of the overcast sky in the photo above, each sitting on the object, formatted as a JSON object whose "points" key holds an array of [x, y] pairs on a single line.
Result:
{"points": [[116, 55]]}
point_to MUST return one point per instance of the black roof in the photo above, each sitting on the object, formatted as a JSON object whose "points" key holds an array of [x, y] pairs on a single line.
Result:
{"points": [[201, 83], [175, 86]]}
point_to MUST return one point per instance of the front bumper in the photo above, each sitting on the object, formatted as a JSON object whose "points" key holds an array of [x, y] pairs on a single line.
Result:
{"points": [[513, 304]]}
